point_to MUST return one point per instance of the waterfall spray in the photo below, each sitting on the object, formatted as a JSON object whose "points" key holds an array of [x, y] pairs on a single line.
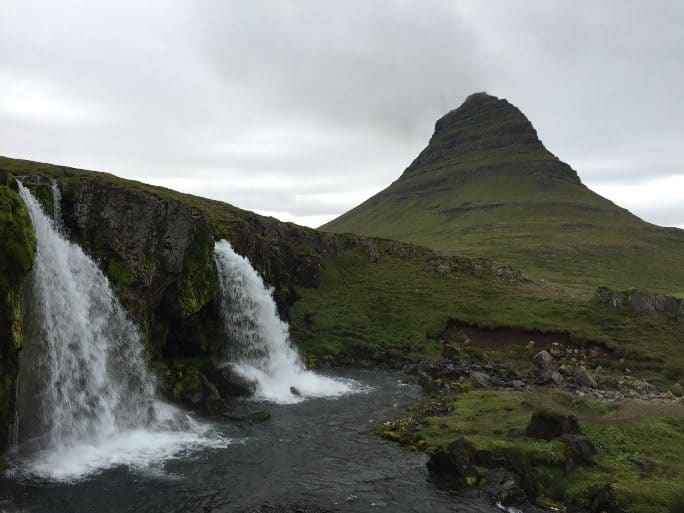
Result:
{"points": [[260, 348]]}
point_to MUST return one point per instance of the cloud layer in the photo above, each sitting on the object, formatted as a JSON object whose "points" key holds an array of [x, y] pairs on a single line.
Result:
{"points": [[303, 109]]}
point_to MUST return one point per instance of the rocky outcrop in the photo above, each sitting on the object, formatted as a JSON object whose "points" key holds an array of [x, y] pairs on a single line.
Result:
{"points": [[643, 303], [17, 251]]}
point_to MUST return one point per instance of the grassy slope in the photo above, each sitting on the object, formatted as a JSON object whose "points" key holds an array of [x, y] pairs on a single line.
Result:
{"points": [[520, 205], [393, 304]]}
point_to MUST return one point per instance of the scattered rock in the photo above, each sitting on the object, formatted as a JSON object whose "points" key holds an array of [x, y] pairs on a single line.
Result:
{"points": [[583, 378], [503, 486], [481, 379], [565, 370], [530, 345], [548, 425], [528, 404], [543, 360]]}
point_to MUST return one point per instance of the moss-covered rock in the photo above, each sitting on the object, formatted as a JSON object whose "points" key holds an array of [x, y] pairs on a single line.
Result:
{"points": [[17, 252]]}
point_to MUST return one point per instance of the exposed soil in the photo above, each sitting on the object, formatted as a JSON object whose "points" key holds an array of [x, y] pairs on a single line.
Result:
{"points": [[500, 338]]}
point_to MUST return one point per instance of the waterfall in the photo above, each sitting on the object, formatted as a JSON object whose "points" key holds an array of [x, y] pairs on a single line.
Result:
{"points": [[85, 398], [260, 348], [57, 207]]}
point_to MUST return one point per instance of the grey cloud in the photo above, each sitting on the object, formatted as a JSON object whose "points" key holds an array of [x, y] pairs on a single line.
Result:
{"points": [[322, 102]]}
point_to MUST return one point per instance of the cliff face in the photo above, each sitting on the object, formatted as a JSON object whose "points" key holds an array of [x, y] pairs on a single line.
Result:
{"points": [[17, 251], [158, 253]]}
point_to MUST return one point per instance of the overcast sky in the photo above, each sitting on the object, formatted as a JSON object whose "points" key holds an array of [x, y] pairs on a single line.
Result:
{"points": [[303, 109]]}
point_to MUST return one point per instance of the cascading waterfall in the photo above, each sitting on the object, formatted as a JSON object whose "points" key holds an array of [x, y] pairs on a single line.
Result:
{"points": [[57, 207], [86, 399], [260, 348]]}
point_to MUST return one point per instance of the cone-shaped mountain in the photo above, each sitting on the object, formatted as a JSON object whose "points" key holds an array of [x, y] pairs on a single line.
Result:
{"points": [[485, 185]]}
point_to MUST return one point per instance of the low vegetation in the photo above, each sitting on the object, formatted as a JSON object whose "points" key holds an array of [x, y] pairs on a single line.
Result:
{"points": [[640, 447]]}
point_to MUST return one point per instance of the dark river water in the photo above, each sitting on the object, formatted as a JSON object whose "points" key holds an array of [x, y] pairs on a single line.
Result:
{"points": [[320, 453]]}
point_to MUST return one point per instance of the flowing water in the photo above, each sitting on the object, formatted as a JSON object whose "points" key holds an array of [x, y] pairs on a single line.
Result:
{"points": [[319, 452], [260, 348], [86, 400]]}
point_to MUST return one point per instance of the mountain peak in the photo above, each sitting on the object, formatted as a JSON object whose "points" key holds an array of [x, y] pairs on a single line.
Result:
{"points": [[482, 125]]}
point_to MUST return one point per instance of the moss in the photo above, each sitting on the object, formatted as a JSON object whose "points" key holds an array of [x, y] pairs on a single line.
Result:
{"points": [[17, 252], [120, 275], [198, 282]]}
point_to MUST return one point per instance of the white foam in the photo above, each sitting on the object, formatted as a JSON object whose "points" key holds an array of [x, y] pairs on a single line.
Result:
{"points": [[176, 435]]}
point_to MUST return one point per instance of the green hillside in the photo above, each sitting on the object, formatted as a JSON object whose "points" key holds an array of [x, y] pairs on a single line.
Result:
{"points": [[485, 186]]}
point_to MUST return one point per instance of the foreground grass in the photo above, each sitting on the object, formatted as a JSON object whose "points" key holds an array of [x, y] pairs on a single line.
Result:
{"points": [[618, 431]]}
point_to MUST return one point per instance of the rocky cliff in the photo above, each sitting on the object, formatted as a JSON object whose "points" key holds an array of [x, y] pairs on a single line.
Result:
{"points": [[156, 246]]}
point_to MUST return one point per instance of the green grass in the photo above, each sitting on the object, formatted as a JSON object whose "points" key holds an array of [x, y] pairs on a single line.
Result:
{"points": [[485, 417], [392, 305]]}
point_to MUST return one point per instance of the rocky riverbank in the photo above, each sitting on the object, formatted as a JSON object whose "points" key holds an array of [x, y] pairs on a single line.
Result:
{"points": [[557, 427]]}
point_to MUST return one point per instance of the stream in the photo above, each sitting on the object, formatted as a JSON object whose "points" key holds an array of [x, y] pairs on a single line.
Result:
{"points": [[317, 455]]}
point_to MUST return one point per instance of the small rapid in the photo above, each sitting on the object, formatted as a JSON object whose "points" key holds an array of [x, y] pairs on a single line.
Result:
{"points": [[260, 348], [86, 400]]}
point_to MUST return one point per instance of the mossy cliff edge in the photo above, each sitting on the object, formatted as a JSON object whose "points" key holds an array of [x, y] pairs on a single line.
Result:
{"points": [[17, 252]]}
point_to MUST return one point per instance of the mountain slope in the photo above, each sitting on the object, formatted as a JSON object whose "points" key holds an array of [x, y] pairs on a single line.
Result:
{"points": [[486, 186]]}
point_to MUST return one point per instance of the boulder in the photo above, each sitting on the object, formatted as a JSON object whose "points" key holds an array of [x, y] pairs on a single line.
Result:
{"points": [[578, 451], [549, 425], [643, 302], [243, 413], [503, 486], [295, 391], [543, 360], [454, 460], [234, 383], [584, 378]]}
